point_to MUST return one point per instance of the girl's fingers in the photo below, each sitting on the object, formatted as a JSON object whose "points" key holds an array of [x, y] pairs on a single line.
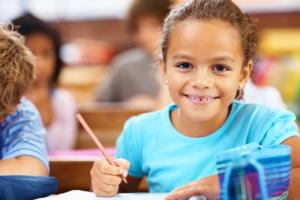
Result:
{"points": [[183, 187], [101, 193], [106, 178], [183, 193], [121, 167], [193, 190], [97, 183], [122, 163], [102, 166]]}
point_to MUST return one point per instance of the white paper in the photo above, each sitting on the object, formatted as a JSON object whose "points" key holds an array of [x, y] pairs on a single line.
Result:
{"points": [[84, 195]]}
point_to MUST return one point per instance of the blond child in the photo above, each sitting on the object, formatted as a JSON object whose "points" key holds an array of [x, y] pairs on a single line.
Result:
{"points": [[22, 145], [207, 57]]}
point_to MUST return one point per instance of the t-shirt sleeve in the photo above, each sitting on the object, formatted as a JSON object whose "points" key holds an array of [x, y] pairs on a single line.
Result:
{"points": [[26, 136], [128, 147], [282, 128]]}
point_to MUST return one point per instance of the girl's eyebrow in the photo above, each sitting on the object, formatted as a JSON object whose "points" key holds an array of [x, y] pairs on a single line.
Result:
{"points": [[214, 59], [182, 56], [223, 58]]}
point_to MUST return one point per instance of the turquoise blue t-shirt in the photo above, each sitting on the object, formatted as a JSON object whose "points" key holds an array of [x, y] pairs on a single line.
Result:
{"points": [[170, 159]]}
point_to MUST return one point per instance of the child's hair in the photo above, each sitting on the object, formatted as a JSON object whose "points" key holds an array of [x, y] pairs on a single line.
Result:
{"points": [[28, 25], [154, 8], [205, 10], [16, 70]]}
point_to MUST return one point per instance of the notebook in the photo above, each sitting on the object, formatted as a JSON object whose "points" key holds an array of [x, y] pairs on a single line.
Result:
{"points": [[79, 194]]}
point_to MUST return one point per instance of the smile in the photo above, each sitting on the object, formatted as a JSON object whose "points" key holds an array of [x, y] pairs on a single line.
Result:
{"points": [[200, 99]]}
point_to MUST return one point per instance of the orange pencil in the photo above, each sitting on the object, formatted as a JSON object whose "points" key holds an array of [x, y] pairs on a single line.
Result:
{"points": [[97, 142]]}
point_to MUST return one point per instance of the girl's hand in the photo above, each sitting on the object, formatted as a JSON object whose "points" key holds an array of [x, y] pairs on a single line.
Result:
{"points": [[208, 187], [106, 178]]}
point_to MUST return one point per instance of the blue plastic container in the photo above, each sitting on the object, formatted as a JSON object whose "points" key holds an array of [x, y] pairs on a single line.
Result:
{"points": [[254, 172]]}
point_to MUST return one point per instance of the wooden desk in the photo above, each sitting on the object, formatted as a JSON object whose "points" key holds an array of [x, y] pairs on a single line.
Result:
{"points": [[71, 175], [75, 174]]}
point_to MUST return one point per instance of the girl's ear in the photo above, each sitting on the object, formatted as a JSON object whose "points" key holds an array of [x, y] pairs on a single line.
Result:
{"points": [[246, 73], [163, 70]]}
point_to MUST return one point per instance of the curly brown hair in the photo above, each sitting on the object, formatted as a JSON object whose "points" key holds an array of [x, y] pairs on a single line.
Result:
{"points": [[16, 70], [224, 10]]}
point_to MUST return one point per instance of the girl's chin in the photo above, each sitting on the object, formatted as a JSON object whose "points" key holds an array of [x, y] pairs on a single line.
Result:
{"points": [[40, 83]]}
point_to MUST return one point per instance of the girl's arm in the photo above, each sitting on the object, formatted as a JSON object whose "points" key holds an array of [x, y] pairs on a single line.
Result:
{"points": [[209, 186], [294, 189], [23, 165]]}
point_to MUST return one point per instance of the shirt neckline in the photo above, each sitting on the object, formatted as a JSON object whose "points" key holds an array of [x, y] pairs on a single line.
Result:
{"points": [[175, 133]]}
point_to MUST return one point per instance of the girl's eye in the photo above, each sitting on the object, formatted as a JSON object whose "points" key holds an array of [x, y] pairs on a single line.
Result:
{"points": [[221, 68], [184, 65]]}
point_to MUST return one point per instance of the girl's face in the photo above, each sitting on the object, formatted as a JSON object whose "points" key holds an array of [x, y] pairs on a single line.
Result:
{"points": [[42, 47], [203, 68]]}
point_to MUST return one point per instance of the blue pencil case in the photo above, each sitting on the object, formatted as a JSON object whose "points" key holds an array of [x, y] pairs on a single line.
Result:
{"points": [[254, 172]]}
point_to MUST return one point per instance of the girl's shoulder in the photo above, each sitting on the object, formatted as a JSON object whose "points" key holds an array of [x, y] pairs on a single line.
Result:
{"points": [[260, 112], [25, 112], [263, 125], [25, 107]]}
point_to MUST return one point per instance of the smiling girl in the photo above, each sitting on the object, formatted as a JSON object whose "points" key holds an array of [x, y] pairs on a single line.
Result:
{"points": [[207, 57]]}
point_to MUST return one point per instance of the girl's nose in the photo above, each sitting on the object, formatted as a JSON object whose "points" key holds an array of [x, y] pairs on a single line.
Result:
{"points": [[202, 79]]}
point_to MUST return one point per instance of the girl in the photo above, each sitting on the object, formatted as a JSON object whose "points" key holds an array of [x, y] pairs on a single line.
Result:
{"points": [[56, 106], [207, 51]]}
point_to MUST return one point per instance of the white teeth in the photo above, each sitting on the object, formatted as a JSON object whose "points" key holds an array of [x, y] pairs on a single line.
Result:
{"points": [[202, 98]]}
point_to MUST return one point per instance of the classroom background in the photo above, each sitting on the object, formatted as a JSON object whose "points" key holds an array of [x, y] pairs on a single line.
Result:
{"points": [[94, 35], [94, 32]]}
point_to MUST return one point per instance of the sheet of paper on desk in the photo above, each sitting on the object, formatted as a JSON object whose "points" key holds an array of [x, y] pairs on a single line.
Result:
{"points": [[84, 195]]}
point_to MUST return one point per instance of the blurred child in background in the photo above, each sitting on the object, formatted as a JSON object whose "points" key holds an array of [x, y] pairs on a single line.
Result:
{"points": [[264, 95], [133, 73], [22, 143], [56, 106]]}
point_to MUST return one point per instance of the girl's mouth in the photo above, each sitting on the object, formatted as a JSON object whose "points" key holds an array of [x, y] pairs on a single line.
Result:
{"points": [[200, 99]]}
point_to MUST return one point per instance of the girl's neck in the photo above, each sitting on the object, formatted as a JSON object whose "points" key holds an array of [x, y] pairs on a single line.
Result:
{"points": [[197, 129], [41, 97]]}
